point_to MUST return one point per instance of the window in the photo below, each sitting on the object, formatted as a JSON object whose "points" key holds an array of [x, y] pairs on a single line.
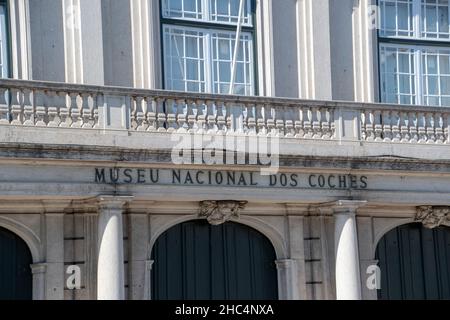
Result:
{"points": [[415, 52], [199, 39], [4, 66]]}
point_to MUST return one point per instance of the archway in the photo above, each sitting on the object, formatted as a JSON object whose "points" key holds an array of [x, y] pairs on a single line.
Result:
{"points": [[415, 263], [197, 261], [15, 270]]}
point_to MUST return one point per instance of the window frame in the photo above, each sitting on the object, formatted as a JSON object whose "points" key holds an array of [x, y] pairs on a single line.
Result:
{"points": [[418, 44], [8, 51], [208, 26]]}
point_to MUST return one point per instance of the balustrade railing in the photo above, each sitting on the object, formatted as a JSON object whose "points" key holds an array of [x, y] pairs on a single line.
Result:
{"points": [[45, 104]]}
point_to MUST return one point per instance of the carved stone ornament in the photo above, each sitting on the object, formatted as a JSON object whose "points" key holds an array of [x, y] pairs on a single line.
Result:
{"points": [[433, 217], [219, 212]]}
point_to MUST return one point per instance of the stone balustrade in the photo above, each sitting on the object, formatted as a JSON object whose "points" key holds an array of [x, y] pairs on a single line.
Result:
{"points": [[45, 104]]}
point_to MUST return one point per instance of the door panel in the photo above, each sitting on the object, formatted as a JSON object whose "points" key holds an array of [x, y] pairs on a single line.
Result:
{"points": [[197, 261], [15, 270], [415, 263]]}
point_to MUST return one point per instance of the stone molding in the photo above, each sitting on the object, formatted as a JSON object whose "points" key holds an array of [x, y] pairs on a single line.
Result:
{"points": [[219, 212], [433, 217]]}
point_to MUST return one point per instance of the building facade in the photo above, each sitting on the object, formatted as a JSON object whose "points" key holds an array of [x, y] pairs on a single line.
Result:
{"points": [[224, 149]]}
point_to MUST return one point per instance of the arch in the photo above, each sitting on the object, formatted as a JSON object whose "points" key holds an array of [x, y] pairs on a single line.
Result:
{"points": [[15, 261], [195, 260], [259, 225], [26, 234], [391, 225], [415, 262]]}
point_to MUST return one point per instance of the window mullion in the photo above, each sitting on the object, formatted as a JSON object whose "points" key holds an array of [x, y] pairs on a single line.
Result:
{"points": [[206, 10], [418, 75], [209, 61], [417, 19]]}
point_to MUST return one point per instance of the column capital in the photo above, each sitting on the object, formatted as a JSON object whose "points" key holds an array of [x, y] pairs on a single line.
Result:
{"points": [[347, 207], [38, 268], [107, 202], [284, 263]]}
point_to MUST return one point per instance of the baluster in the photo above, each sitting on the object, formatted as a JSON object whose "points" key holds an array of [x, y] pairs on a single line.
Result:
{"points": [[86, 110], [446, 125], [192, 110], [182, 111], [64, 109], [211, 117], [439, 124], [238, 110], [138, 114], [421, 127], [299, 123], [75, 113], [135, 109], [315, 120], [396, 126], [430, 127], [201, 117], [16, 107], [151, 114], [289, 123], [141, 114], [28, 107], [4, 106], [171, 115], [279, 118], [404, 127], [161, 114], [221, 117], [229, 116], [52, 110], [326, 124], [412, 124], [270, 120], [244, 118], [332, 123], [97, 99], [260, 120], [378, 129], [372, 123], [366, 126], [389, 127], [307, 124], [41, 110], [251, 119]]}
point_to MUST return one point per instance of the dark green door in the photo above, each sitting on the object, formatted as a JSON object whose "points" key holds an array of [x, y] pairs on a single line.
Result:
{"points": [[415, 263], [197, 261], [15, 270]]}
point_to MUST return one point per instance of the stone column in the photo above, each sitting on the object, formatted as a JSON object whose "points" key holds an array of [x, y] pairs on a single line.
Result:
{"points": [[348, 279], [38, 270], [54, 256], [148, 280], [110, 268], [287, 279]]}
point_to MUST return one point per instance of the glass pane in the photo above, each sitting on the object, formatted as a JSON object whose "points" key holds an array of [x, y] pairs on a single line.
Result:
{"points": [[397, 75], [224, 44], [183, 59], [221, 11], [3, 44], [435, 19], [445, 86], [227, 11], [436, 77], [183, 9], [396, 18]]}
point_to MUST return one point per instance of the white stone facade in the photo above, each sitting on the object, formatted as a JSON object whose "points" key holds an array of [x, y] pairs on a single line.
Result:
{"points": [[67, 122]]}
